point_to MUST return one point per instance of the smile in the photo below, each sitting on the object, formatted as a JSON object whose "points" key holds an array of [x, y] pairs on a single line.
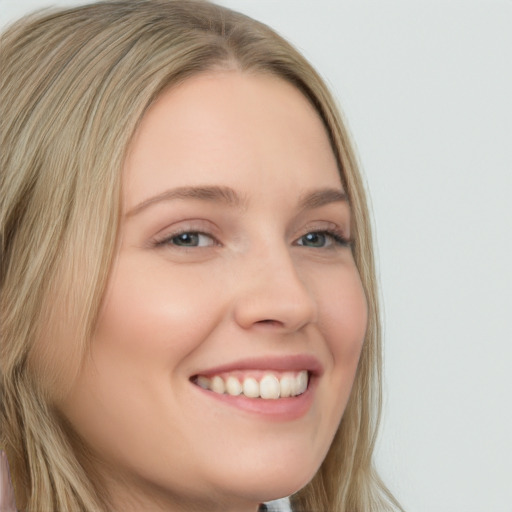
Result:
{"points": [[267, 385]]}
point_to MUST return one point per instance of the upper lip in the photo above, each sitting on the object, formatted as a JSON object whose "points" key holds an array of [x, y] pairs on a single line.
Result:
{"points": [[284, 363]]}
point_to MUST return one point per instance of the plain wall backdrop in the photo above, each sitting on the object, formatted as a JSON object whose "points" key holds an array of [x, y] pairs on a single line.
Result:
{"points": [[426, 88]]}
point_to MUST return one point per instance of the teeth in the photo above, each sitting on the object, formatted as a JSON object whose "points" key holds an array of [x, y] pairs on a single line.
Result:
{"points": [[270, 387], [287, 386], [302, 383], [233, 386], [218, 385], [251, 388], [203, 382]]}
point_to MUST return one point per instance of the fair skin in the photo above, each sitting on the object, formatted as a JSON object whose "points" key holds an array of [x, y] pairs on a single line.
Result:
{"points": [[233, 261]]}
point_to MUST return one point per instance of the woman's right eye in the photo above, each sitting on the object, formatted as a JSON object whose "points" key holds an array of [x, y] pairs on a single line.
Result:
{"points": [[188, 239]]}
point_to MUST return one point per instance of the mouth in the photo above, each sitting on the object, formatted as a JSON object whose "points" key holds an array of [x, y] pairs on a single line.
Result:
{"points": [[256, 384], [274, 388]]}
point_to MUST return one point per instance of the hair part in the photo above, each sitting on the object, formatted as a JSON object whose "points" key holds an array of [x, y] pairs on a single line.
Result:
{"points": [[64, 134]]}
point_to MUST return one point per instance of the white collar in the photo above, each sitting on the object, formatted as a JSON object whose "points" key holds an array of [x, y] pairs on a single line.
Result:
{"points": [[281, 505]]}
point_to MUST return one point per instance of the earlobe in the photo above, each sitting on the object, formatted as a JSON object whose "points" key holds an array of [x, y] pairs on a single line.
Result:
{"points": [[7, 501]]}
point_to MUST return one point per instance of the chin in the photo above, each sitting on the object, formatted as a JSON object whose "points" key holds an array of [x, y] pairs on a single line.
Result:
{"points": [[273, 479]]}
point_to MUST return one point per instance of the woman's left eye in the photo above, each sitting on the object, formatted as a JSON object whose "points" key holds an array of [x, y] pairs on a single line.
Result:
{"points": [[189, 239], [322, 239]]}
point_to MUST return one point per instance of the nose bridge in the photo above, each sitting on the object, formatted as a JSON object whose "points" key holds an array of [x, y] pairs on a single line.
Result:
{"points": [[271, 290]]}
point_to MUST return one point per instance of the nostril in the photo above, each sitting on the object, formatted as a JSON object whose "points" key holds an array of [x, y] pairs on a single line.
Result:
{"points": [[269, 322], [274, 308]]}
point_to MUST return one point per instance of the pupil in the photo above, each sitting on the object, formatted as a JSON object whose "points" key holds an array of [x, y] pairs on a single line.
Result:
{"points": [[315, 239], [187, 239]]}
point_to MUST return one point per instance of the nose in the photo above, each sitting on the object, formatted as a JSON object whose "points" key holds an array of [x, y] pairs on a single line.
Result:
{"points": [[270, 292]]}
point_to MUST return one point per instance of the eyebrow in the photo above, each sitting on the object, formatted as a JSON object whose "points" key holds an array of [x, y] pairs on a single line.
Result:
{"points": [[214, 194], [322, 197], [230, 197]]}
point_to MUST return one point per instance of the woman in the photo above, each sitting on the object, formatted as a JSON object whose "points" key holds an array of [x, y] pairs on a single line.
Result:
{"points": [[188, 301]]}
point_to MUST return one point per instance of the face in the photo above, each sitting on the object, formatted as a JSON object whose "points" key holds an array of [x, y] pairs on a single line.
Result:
{"points": [[234, 316]]}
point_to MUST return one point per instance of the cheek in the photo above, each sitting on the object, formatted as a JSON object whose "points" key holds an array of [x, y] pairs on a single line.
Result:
{"points": [[148, 325], [155, 313], [343, 320], [343, 316]]}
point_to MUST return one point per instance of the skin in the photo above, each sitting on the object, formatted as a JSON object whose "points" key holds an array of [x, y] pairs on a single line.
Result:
{"points": [[255, 286]]}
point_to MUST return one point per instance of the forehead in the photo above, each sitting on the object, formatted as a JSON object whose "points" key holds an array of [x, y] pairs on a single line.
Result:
{"points": [[229, 128]]}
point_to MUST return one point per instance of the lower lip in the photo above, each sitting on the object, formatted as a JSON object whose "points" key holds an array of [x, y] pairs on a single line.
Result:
{"points": [[281, 409]]}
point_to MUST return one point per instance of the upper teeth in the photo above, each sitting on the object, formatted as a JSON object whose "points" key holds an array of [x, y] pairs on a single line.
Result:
{"points": [[270, 386]]}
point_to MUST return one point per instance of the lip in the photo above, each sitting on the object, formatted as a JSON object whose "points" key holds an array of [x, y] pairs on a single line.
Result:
{"points": [[282, 409], [284, 363]]}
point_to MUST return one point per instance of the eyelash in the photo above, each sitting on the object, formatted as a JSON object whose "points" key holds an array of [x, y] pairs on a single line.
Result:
{"points": [[168, 240], [337, 237]]}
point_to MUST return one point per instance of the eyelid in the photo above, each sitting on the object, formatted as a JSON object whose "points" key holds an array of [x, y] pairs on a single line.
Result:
{"points": [[337, 239], [327, 227], [205, 228], [197, 226], [168, 240]]}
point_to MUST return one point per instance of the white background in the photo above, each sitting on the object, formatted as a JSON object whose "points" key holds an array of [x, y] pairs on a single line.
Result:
{"points": [[426, 87]]}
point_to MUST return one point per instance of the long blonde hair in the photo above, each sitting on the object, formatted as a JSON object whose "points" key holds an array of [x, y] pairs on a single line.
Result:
{"points": [[75, 84]]}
